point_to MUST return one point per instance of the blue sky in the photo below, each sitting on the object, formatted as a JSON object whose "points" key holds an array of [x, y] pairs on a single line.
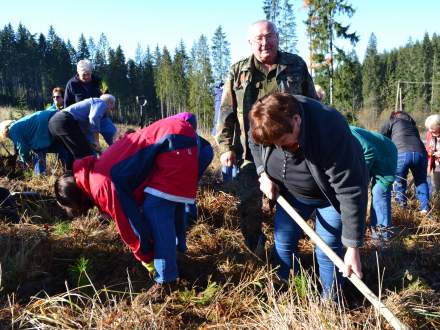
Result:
{"points": [[165, 22]]}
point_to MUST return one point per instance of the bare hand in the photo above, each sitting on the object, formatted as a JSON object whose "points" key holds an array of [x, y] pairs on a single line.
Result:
{"points": [[268, 187], [352, 260], [228, 158]]}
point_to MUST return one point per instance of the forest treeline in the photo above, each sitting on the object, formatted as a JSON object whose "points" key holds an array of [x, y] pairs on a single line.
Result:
{"points": [[183, 79]]}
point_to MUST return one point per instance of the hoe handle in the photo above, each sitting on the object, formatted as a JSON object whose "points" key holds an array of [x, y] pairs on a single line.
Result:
{"points": [[361, 286]]}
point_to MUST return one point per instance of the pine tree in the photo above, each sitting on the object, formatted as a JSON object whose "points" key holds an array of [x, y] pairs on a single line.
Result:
{"points": [[26, 59], [271, 9], [435, 93], [117, 80], [82, 51], [287, 28], [42, 55], [59, 63], [101, 56], [324, 30], [163, 82], [148, 85], [7, 60], [72, 53], [221, 58], [180, 78], [91, 46], [138, 54], [426, 64], [389, 80], [348, 86], [408, 70], [200, 84], [134, 77], [371, 74]]}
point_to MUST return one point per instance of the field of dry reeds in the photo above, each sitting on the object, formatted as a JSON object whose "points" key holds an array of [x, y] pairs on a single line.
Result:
{"points": [[63, 273]]}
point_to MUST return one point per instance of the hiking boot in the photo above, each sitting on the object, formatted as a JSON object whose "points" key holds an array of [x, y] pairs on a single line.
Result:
{"points": [[159, 291], [260, 251]]}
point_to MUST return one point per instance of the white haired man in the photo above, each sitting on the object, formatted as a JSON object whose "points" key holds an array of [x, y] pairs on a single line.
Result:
{"points": [[265, 71], [83, 85], [73, 125]]}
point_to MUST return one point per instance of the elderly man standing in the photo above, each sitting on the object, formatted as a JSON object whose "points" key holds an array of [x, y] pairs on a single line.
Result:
{"points": [[267, 70]]}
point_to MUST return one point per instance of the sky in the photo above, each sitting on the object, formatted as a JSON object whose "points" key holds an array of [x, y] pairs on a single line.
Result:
{"points": [[166, 22]]}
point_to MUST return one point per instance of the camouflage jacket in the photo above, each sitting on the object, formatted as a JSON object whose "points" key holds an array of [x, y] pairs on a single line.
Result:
{"points": [[240, 93]]}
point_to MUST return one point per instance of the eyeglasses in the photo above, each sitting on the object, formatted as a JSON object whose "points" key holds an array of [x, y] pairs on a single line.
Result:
{"points": [[267, 37]]}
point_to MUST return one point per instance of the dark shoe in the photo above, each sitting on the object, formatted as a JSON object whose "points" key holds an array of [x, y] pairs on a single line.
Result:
{"points": [[260, 251], [159, 291]]}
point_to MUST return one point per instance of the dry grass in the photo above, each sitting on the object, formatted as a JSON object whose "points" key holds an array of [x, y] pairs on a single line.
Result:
{"points": [[223, 285]]}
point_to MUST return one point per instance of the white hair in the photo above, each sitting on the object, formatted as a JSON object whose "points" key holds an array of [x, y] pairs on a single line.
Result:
{"points": [[432, 122], [4, 128], [252, 26], [108, 98], [84, 66]]}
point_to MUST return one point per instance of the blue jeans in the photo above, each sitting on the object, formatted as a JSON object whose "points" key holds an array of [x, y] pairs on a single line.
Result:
{"points": [[416, 162], [229, 172], [39, 157], [380, 211], [167, 226], [287, 234]]}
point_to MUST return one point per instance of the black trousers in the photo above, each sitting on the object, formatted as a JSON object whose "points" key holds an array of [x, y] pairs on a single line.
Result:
{"points": [[65, 129]]}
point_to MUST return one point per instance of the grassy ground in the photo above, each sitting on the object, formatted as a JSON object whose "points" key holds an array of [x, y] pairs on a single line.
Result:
{"points": [[76, 273]]}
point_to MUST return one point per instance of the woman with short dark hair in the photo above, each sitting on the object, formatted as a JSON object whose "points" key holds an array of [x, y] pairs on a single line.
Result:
{"points": [[305, 151]]}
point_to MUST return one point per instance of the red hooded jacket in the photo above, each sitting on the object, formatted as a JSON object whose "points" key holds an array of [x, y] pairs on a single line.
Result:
{"points": [[160, 159]]}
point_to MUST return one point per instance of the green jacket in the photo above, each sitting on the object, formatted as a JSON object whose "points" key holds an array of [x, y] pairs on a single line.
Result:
{"points": [[240, 93], [380, 155]]}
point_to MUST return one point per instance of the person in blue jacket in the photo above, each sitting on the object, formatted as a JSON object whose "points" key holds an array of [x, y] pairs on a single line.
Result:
{"points": [[380, 155], [31, 133]]}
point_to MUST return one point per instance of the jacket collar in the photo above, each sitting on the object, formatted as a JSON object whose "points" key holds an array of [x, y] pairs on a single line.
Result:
{"points": [[283, 60]]}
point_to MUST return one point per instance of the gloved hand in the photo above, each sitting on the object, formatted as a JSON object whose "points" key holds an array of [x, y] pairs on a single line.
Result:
{"points": [[149, 267]]}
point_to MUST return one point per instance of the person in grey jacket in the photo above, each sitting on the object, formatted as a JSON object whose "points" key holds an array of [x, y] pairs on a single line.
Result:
{"points": [[306, 152]]}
